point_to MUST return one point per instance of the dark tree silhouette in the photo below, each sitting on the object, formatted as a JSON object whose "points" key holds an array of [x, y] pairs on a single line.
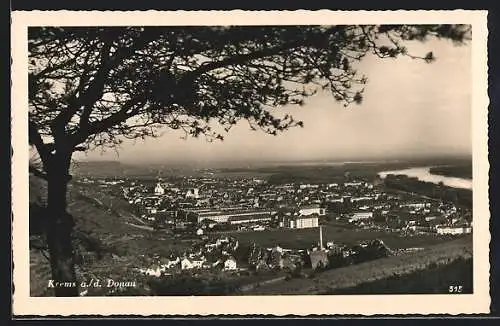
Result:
{"points": [[94, 87]]}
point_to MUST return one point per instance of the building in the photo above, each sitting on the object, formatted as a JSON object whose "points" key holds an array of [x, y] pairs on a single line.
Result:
{"points": [[193, 193], [230, 264], [302, 222], [359, 216], [416, 205], [254, 218], [159, 190], [235, 216], [187, 263], [354, 184], [311, 209], [454, 230]]}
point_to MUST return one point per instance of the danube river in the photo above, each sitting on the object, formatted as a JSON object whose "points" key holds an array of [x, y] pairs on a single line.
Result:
{"points": [[423, 174]]}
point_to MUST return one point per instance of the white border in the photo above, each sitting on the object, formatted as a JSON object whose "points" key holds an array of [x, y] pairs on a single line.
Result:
{"points": [[23, 304]]}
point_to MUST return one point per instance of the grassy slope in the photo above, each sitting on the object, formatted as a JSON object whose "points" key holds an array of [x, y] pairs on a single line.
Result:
{"points": [[355, 275], [435, 279], [97, 230]]}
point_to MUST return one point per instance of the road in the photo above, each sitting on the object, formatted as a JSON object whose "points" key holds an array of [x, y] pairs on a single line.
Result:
{"points": [[142, 227]]}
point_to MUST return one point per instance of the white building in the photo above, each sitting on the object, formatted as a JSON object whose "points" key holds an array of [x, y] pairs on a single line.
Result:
{"points": [[353, 184], [230, 264], [235, 217], [159, 189], [416, 205], [187, 263], [302, 222], [454, 230], [358, 216], [311, 209], [193, 193]]}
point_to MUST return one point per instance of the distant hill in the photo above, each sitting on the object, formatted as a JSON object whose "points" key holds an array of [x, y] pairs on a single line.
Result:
{"points": [[98, 168]]}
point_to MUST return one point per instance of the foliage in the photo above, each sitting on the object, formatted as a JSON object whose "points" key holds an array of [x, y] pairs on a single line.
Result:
{"points": [[97, 85], [462, 197]]}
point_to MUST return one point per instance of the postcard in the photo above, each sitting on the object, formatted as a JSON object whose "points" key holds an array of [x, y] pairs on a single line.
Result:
{"points": [[250, 162]]}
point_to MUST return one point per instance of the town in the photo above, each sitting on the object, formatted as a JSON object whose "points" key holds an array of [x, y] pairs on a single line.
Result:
{"points": [[212, 214]]}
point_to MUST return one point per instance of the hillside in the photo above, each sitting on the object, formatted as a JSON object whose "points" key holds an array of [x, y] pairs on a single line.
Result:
{"points": [[353, 277], [434, 279], [102, 239]]}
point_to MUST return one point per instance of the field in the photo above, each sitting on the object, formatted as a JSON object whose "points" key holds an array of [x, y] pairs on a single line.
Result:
{"points": [[396, 266], [304, 238]]}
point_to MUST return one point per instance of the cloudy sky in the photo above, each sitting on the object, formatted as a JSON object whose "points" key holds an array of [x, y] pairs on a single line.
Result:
{"points": [[410, 108]]}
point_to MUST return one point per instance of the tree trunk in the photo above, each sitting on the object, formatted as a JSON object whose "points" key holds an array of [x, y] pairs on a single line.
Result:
{"points": [[59, 229]]}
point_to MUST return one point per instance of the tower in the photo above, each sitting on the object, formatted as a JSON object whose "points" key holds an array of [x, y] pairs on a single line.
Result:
{"points": [[321, 237]]}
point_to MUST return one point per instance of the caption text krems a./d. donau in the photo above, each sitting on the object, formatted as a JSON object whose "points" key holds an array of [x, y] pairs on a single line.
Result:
{"points": [[92, 283]]}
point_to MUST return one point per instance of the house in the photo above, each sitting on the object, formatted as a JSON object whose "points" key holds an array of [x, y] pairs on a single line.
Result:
{"points": [[354, 184], [230, 264], [302, 222], [172, 263], [153, 270], [311, 209], [198, 262], [430, 218], [186, 263], [358, 216], [191, 263], [193, 193]]}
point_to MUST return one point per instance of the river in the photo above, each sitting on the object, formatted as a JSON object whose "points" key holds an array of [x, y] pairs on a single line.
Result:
{"points": [[424, 174]]}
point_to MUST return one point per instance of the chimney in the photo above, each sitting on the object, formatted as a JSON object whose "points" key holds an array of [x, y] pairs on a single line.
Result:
{"points": [[321, 237]]}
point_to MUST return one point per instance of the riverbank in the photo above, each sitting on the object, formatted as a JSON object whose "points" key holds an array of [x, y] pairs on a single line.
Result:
{"points": [[455, 171], [424, 174]]}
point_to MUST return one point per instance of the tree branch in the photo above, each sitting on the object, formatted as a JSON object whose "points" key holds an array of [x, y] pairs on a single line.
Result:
{"points": [[35, 139], [244, 58]]}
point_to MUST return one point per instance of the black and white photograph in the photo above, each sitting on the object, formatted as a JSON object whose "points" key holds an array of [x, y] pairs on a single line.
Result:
{"points": [[310, 157]]}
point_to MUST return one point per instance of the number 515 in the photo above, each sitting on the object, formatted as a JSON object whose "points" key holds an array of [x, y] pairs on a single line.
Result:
{"points": [[455, 289]]}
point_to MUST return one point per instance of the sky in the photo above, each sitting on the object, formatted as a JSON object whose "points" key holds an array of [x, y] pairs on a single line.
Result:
{"points": [[410, 109]]}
